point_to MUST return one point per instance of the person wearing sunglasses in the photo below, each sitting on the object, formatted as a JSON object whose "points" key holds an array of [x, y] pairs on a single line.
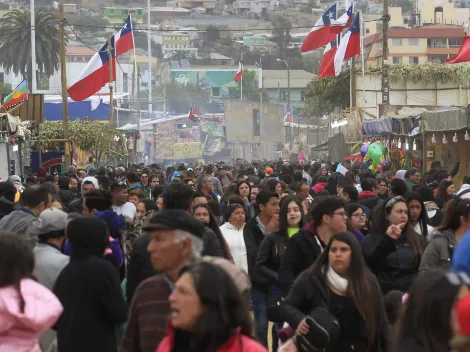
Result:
{"points": [[190, 182]]}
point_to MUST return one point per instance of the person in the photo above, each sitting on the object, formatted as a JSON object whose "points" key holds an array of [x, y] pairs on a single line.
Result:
{"points": [[154, 182], [121, 205], [412, 177], [7, 198], [254, 232], [253, 210], [66, 195], [89, 289], [382, 189], [224, 176], [425, 322], [302, 190], [302, 249], [159, 201], [358, 219], [444, 191], [27, 308], [461, 340], [135, 196], [418, 216], [143, 207], [392, 249], [244, 190], [133, 181], [232, 230], [368, 195], [397, 187], [175, 239], [89, 183], [190, 182], [273, 185], [146, 186], [34, 201], [460, 258], [208, 172], [208, 313], [434, 213], [349, 193], [207, 187], [340, 280]]}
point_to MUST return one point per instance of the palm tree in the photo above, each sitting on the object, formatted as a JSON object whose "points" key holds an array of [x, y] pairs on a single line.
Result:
{"points": [[15, 43], [178, 55]]}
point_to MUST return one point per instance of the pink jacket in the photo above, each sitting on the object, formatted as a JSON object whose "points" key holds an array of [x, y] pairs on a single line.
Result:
{"points": [[20, 332]]}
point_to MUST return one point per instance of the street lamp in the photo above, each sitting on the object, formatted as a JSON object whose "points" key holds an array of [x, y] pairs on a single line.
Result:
{"points": [[288, 83]]}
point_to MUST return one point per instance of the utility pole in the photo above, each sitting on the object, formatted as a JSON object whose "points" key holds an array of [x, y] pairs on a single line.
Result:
{"points": [[63, 80], [261, 78], [110, 58], [385, 78], [33, 44], [352, 82], [197, 87]]}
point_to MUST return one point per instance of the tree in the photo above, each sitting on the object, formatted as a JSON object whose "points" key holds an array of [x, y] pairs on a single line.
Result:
{"points": [[180, 55], [250, 87], [212, 33], [15, 43], [281, 35], [141, 41]]}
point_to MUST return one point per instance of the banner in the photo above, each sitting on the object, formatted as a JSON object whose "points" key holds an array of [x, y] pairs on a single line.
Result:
{"points": [[164, 141], [212, 145], [191, 150], [213, 128]]}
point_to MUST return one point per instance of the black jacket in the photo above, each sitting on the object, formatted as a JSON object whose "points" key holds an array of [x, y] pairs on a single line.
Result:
{"points": [[6, 207], [76, 206], [67, 197], [302, 250], [269, 256], [392, 261], [253, 237], [309, 292], [370, 202], [89, 290], [212, 245], [410, 345]]}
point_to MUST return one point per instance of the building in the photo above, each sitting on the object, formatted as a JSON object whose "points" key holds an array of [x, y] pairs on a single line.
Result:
{"points": [[119, 14], [257, 7], [415, 46], [174, 41], [208, 5], [258, 43], [276, 85], [217, 59], [160, 14]]}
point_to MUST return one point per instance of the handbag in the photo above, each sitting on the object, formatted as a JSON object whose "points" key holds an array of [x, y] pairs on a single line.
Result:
{"points": [[324, 328]]}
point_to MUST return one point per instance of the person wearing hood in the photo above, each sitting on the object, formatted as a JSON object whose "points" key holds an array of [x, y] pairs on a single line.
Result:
{"points": [[232, 230], [66, 195], [16, 180], [88, 184], [89, 289], [8, 192], [27, 308], [438, 253], [464, 191]]}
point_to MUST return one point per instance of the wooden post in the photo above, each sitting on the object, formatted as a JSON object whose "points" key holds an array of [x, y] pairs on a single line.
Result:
{"points": [[110, 56], [63, 79]]}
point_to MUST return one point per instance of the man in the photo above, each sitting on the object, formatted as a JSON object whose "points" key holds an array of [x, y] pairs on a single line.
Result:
{"points": [[199, 198], [175, 239], [368, 195], [303, 191], [412, 177], [349, 193], [253, 209], [133, 181], [328, 217], [121, 206], [48, 259], [305, 175], [35, 200], [146, 187], [73, 182], [103, 183], [89, 183], [254, 232], [207, 187], [224, 177], [215, 181]]}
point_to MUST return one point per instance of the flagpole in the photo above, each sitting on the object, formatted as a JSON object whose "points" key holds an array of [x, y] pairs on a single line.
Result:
{"points": [[136, 71], [241, 80], [110, 58], [361, 23]]}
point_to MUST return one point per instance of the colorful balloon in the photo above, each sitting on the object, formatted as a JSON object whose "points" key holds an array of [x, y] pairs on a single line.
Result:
{"points": [[375, 152], [364, 149]]}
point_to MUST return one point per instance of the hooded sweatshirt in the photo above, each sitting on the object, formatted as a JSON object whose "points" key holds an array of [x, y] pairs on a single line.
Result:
{"points": [[19, 331], [438, 252], [464, 191], [18, 222], [236, 243]]}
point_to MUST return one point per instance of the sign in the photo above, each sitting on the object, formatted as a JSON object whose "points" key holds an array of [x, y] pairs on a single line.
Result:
{"points": [[164, 140], [12, 167], [213, 128], [190, 150]]}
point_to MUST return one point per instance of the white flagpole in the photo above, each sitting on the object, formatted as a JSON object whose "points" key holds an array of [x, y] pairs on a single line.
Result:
{"points": [[135, 70], [241, 80], [361, 23]]}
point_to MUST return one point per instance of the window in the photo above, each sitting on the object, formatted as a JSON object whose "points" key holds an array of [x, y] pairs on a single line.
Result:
{"points": [[215, 91], [414, 60], [367, 30], [111, 11], [396, 60], [397, 42], [413, 41]]}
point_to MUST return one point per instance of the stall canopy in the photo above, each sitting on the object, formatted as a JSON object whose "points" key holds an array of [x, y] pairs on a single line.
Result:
{"points": [[453, 119]]}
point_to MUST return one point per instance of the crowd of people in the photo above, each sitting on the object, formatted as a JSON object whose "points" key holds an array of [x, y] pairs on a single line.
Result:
{"points": [[235, 257]]}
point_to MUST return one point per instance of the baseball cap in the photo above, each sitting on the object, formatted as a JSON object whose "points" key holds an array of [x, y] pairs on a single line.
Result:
{"points": [[49, 220], [175, 219], [15, 179]]}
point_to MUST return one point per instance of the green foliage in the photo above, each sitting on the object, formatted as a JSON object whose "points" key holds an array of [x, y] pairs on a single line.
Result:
{"points": [[250, 87], [212, 33], [178, 55], [281, 35], [15, 43], [141, 41], [93, 136]]}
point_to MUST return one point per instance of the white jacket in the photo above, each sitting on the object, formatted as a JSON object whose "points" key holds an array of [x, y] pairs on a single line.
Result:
{"points": [[236, 243], [464, 188]]}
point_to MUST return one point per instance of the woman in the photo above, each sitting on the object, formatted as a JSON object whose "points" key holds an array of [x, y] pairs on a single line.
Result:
{"points": [[208, 313], [444, 191], [27, 308], [418, 216], [393, 250], [66, 195], [202, 213], [159, 201], [358, 219], [232, 230], [154, 181], [433, 211], [244, 190], [439, 251], [425, 323], [143, 207], [340, 281], [274, 185], [190, 182], [397, 188], [382, 189]]}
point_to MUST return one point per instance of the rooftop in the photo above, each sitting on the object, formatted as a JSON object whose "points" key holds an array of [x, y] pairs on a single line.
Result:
{"points": [[169, 9], [433, 31], [79, 50]]}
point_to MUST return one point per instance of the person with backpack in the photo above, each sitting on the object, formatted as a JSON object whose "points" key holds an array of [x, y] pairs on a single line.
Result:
{"points": [[464, 191]]}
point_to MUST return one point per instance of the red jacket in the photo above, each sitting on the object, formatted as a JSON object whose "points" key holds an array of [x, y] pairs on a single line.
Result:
{"points": [[232, 345]]}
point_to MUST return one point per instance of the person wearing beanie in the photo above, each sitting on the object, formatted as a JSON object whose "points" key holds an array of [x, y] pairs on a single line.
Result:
{"points": [[89, 183], [89, 290]]}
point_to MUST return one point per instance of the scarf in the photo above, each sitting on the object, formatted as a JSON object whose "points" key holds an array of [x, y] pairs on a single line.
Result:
{"points": [[430, 206], [337, 282]]}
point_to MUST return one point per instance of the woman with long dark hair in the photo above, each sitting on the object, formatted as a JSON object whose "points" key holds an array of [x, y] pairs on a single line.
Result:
{"points": [[27, 308], [208, 313], [340, 282], [439, 250], [425, 323], [274, 185], [202, 213], [445, 190], [393, 250], [418, 217], [358, 220], [244, 190]]}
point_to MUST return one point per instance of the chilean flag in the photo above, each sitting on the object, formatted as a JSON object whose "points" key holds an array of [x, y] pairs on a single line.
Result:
{"points": [[239, 73], [343, 22], [350, 44], [124, 39], [321, 33], [192, 113], [95, 75], [327, 67], [464, 52]]}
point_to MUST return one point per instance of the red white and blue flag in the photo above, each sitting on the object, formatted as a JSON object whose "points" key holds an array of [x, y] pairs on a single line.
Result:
{"points": [[350, 44], [321, 33], [124, 39], [343, 22], [327, 67], [192, 113], [239, 73], [96, 73]]}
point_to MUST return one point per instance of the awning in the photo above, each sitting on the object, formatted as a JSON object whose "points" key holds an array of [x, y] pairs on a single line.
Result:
{"points": [[321, 147]]}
